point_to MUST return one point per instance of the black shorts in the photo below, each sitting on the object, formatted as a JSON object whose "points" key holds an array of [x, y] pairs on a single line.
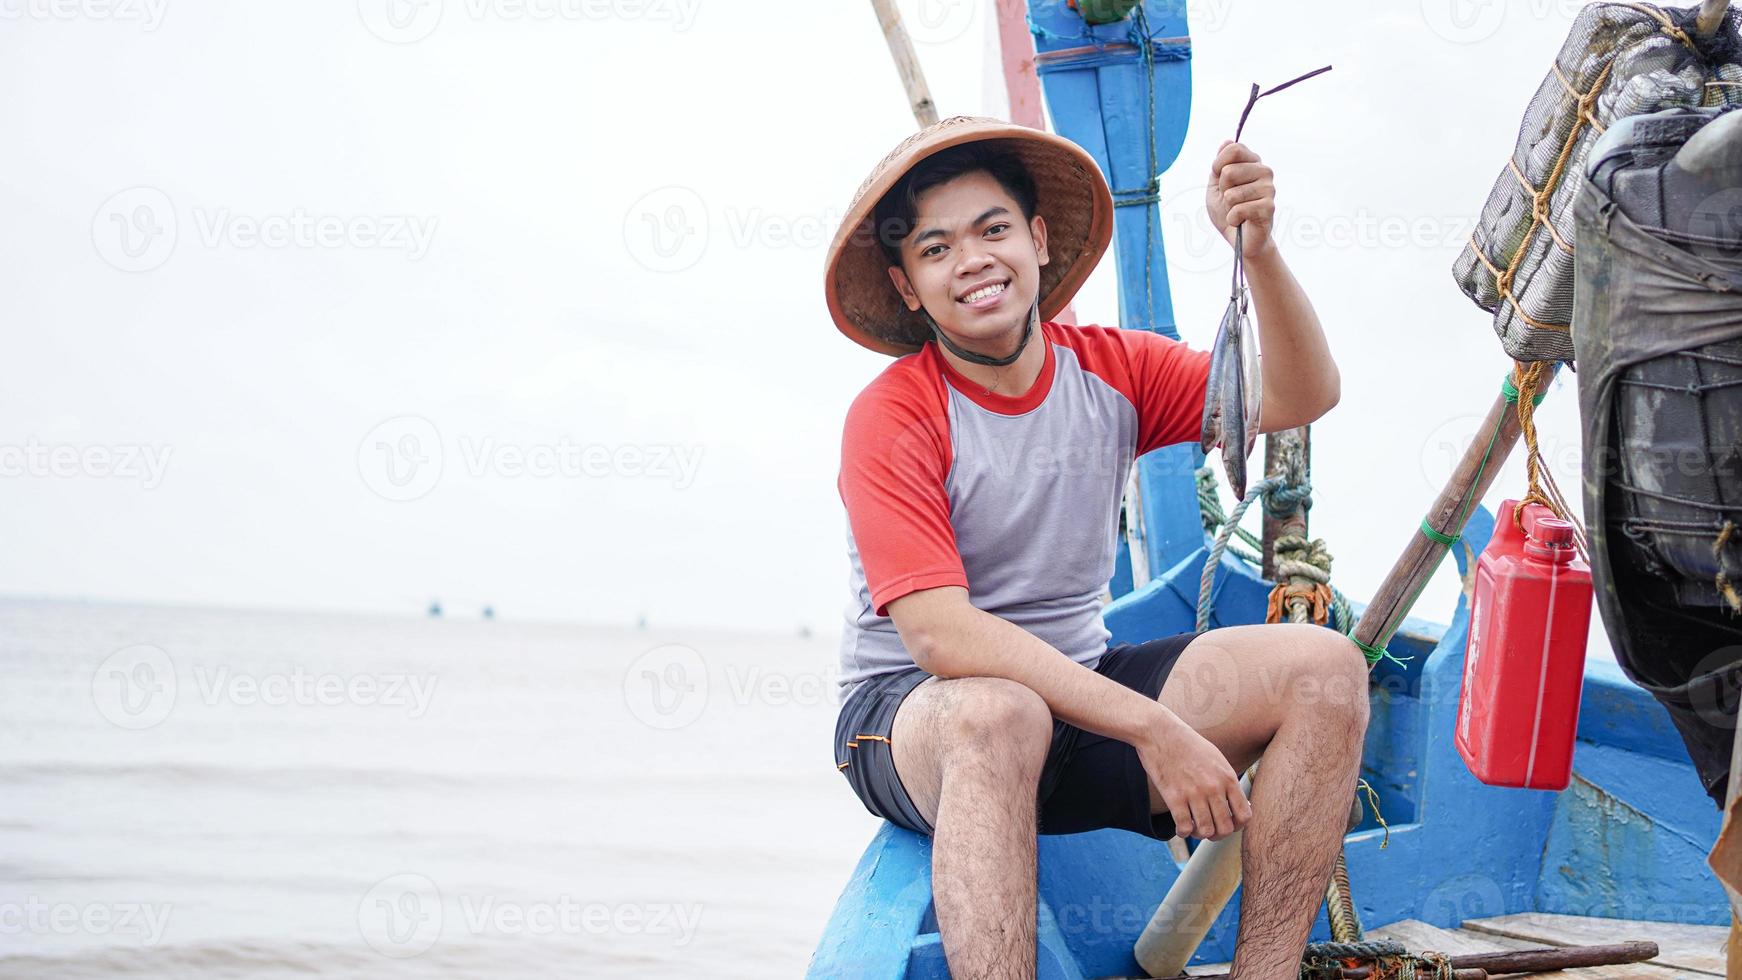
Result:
{"points": [[1089, 782]]}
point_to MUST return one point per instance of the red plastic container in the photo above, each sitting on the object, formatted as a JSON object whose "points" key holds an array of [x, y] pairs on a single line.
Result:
{"points": [[1524, 662]]}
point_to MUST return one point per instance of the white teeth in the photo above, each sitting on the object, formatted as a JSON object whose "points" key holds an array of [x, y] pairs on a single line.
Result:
{"points": [[980, 294]]}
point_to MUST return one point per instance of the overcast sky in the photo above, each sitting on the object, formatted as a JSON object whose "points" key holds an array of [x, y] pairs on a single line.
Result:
{"points": [[350, 306]]}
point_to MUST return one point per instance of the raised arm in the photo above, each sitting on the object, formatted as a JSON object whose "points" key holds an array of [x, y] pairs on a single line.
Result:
{"points": [[1301, 381]]}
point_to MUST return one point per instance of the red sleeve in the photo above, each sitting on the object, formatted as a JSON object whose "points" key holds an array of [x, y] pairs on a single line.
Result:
{"points": [[1169, 381], [895, 457]]}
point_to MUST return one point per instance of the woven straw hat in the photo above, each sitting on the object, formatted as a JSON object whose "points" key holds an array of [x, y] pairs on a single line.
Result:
{"points": [[1070, 194]]}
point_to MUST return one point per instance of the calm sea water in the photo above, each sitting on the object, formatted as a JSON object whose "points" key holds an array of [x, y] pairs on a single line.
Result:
{"points": [[210, 793]]}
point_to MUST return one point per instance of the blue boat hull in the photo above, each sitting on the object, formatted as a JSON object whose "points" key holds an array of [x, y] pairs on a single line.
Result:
{"points": [[1627, 840]]}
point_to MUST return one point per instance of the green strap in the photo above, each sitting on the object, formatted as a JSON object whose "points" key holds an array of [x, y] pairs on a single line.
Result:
{"points": [[1377, 653], [1432, 535], [1510, 390]]}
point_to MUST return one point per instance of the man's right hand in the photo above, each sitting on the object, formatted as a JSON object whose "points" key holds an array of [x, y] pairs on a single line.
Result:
{"points": [[1192, 776]]}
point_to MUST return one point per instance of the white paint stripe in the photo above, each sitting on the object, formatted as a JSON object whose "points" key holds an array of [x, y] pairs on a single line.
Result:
{"points": [[1542, 672]]}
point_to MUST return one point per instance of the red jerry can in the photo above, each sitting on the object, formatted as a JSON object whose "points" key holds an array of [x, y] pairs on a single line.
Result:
{"points": [[1524, 662]]}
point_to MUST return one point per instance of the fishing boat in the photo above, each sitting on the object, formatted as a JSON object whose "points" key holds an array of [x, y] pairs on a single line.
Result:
{"points": [[1442, 861]]}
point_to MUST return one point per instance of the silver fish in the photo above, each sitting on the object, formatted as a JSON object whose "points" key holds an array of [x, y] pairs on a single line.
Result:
{"points": [[1234, 395]]}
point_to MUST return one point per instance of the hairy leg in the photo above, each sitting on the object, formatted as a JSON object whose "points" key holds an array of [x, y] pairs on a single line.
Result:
{"points": [[969, 752], [1298, 695]]}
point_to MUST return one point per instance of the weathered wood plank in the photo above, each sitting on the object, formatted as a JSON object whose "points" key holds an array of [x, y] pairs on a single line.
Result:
{"points": [[1684, 947], [1420, 936]]}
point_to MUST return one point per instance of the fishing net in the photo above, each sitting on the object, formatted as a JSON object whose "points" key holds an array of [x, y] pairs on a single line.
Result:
{"points": [[1620, 59]]}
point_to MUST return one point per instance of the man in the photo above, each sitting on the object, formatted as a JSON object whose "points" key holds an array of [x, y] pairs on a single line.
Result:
{"points": [[982, 473]]}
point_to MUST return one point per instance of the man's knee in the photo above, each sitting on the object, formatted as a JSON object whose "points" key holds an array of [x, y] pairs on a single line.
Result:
{"points": [[1330, 675], [994, 718]]}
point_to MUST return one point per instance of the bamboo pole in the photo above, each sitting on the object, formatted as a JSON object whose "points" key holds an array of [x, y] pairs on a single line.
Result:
{"points": [[1710, 18], [1198, 895], [1447, 515], [906, 63], [1475, 966]]}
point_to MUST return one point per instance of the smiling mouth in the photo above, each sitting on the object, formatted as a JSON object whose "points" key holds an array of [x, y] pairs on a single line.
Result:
{"points": [[985, 294]]}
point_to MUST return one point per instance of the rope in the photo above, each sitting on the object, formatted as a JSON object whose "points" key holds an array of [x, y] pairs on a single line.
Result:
{"points": [[1542, 197], [1390, 961], [1221, 545], [1725, 588], [1210, 510], [1541, 487]]}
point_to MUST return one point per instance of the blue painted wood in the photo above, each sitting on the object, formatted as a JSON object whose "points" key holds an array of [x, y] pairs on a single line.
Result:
{"points": [[1627, 840], [1132, 117]]}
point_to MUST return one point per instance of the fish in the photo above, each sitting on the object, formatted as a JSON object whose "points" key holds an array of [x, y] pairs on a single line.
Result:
{"points": [[1235, 393]]}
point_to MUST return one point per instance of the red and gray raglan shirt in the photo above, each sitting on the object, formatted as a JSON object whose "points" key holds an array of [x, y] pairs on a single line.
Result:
{"points": [[1015, 499]]}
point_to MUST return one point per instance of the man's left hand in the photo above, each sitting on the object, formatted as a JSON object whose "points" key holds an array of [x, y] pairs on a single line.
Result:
{"points": [[1242, 191]]}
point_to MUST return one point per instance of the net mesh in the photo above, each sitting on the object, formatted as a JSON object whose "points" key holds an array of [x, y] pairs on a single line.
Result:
{"points": [[1619, 59]]}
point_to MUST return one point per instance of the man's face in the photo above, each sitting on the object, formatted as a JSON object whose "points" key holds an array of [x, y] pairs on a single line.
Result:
{"points": [[972, 261]]}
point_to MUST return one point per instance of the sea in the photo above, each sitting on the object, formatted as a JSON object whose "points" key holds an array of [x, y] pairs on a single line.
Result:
{"points": [[203, 793]]}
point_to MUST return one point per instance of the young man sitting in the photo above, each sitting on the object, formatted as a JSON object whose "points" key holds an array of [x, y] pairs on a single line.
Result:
{"points": [[982, 474]]}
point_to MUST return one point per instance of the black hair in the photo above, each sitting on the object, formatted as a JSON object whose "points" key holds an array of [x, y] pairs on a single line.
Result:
{"points": [[897, 211]]}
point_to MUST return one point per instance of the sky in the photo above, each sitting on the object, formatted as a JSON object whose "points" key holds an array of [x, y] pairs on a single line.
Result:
{"points": [[352, 305]]}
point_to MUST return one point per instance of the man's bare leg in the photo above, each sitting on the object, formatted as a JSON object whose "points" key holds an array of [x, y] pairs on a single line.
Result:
{"points": [[969, 752], [1298, 695]]}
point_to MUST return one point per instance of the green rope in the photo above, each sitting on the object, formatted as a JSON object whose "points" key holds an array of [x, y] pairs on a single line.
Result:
{"points": [[1432, 535], [1510, 390]]}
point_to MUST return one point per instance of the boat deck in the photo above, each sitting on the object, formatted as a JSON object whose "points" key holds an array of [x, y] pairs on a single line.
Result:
{"points": [[1691, 952]]}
